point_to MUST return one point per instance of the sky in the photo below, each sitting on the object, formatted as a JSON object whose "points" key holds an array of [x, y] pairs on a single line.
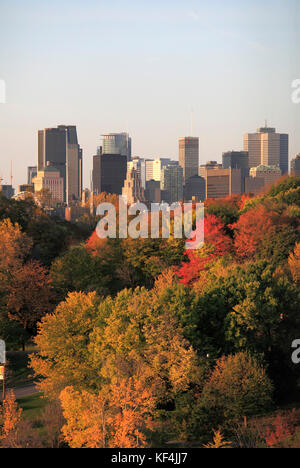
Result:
{"points": [[146, 67]]}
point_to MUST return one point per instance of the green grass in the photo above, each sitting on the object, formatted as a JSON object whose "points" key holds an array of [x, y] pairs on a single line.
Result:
{"points": [[32, 405], [18, 373]]}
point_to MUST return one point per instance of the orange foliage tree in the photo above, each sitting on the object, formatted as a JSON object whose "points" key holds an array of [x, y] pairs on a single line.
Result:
{"points": [[118, 417], [294, 264]]}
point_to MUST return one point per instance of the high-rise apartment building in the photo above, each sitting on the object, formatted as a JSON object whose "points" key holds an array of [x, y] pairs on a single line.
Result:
{"points": [[59, 148], [172, 182], [295, 166], [268, 148], [189, 156], [109, 173], [117, 143]]}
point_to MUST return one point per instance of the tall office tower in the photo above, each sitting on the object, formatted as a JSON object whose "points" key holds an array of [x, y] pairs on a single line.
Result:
{"points": [[109, 173], [139, 165], [194, 188], [31, 173], [295, 166], [172, 183], [117, 143], [189, 156], [269, 174], [267, 148], [220, 182], [155, 166], [133, 189], [237, 160], [59, 147]]}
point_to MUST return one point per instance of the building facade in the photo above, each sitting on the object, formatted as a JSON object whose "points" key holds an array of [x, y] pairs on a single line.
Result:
{"points": [[189, 156], [268, 148], [109, 173], [59, 148], [117, 143], [133, 190], [194, 189], [172, 183], [295, 166], [269, 174], [220, 182], [50, 179]]}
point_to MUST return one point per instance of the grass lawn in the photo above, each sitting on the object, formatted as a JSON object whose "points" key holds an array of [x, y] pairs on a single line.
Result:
{"points": [[18, 373], [32, 405]]}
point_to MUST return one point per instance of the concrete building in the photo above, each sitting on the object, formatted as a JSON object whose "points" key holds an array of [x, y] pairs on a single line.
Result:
{"points": [[153, 192], [50, 179], [26, 188], [269, 174], [237, 160], [194, 189], [254, 185], [31, 173], [109, 173], [189, 156], [268, 148], [172, 182], [59, 148], [208, 166], [139, 165], [155, 166], [133, 189], [7, 191], [295, 166], [220, 182], [117, 143]]}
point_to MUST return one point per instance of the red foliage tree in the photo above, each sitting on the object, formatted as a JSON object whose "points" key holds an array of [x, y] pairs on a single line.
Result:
{"points": [[217, 244]]}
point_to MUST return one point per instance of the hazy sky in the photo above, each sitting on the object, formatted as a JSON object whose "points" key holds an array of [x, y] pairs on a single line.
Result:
{"points": [[142, 66]]}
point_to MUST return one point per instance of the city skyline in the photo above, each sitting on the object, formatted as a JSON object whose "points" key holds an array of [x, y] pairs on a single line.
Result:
{"points": [[231, 67]]}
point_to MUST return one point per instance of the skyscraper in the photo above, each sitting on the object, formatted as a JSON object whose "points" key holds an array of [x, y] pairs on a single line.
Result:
{"points": [[117, 143], [172, 183], [295, 166], [237, 160], [31, 173], [268, 148], [59, 148], [189, 156], [109, 173]]}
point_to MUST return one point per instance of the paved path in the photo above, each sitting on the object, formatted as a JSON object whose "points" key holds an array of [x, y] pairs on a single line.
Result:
{"points": [[24, 391]]}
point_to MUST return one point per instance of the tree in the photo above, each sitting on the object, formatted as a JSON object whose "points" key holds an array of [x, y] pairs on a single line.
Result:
{"points": [[217, 244], [14, 431], [63, 340], [29, 295], [14, 248], [238, 386], [219, 442], [294, 264]]}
